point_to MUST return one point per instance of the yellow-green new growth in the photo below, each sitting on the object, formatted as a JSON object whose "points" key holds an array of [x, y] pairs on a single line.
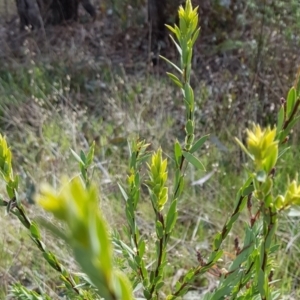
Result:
{"points": [[158, 176], [79, 209], [5, 160], [262, 147], [291, 197], [188, 18], [188, 31], [87, 234]]}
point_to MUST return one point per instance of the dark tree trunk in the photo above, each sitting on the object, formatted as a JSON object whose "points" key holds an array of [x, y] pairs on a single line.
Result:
{"points": [[29, 13], [36, 13], [157, 18]]}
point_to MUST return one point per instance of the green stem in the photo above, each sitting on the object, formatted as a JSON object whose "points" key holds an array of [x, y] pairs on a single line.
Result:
{"points": [[295, 109], [162, 247], [27, 223]]}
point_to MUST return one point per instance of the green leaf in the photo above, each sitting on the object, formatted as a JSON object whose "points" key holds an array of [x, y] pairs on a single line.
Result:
{"points": [[225, 290], [90, 155], [171, 29], [297, 83], [217, 241], [138, 260], [51, 259], [285, 133], [83, 157], [183, 291], [147, 294], [274, 248], [189, 275], [2, 202], [189, 126], [22, 293], [281, 153], [171, 217], [280, 118], [16, 182], [178, 153], [159, 229], [195, 37], [124, 194], [175, 79], [10, 191], [291, 100], [198, 144], [18, 199], [142, 247], [123, 286], [177, 46], [34, 230], [215, 256], [261, 282], [193, 160], [243, 148], [270, 236], [159, 285], [20, 216], [189, 139], [175, 30], [249, 189], [172, 64], [77, 157], [188, 94], [246, 251], [183, 26]]}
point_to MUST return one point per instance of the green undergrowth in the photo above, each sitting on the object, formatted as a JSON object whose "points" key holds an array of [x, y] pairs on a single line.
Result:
{"points": [[133, 106]]}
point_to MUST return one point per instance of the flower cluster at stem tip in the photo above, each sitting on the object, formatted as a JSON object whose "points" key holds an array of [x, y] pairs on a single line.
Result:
{"points": [[263, 147], [158, 176], [291, 197]]}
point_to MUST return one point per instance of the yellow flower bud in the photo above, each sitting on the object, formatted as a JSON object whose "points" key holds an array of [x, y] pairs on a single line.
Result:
{"points": [[279, 202], [158, 176], [263, 147]]}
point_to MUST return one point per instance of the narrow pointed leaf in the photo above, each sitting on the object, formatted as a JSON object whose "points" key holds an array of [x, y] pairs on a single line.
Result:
{"points": [[280, 118], [283, 151], [286, 131], [290, 101], [244, 148], [124, 194], [77, 157], [193, 160], [195, 37], [171, 217], [90, 155], [198, 144], [171, 28], [178, 153], [177, 46], [175, 79], [172, 64], [34, 230], [159, 229]]}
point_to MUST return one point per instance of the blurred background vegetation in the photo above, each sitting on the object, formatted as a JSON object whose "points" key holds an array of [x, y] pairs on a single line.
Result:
{"points": [[104, 81]]}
